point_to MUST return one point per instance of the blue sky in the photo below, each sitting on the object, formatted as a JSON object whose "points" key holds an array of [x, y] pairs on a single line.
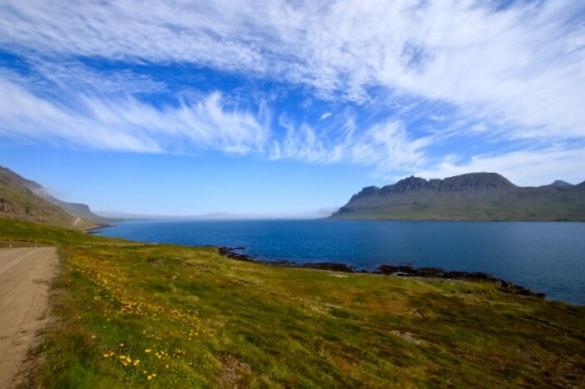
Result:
{"points": [[285, 108]]}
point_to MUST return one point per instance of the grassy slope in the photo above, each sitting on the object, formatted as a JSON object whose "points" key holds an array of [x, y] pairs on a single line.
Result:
{"points": [[195, 319], [20, 203], [518, 204]]}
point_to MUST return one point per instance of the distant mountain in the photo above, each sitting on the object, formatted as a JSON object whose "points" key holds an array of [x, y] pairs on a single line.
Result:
{"points": [[474, 196], [308, 214], [24, 199], [561, 184], [76, 209]]}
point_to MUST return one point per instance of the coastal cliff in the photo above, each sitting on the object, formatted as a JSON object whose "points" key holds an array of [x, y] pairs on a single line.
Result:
{"points": [[26, 200], [473, 196]]}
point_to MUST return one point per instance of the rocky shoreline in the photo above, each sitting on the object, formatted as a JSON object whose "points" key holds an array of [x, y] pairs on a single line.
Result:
{"points": [[390, 270], [97, 229]]}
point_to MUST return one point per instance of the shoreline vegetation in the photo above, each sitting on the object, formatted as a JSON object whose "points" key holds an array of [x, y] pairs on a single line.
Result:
{"points": [[387, 269], [129, 314], [403, 270]]}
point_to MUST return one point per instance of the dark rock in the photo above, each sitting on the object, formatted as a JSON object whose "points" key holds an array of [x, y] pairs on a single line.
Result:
{"points": [[230, 253], [389, 269], [431, 272], [399, 270], [341, 267]]}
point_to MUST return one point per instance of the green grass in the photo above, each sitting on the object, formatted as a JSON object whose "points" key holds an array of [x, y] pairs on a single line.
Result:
{"points": [[541, 203], [197, 319]]}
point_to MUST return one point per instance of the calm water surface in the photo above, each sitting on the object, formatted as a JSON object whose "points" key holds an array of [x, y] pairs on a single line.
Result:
{"points": [[547, 257]]}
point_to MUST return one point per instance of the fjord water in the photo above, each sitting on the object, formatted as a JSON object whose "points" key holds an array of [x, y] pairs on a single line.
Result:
{"points": [[548, 257]]}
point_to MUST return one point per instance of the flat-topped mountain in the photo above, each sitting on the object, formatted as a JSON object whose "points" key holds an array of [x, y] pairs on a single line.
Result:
{"points": [[23, 199], [473, 196]]}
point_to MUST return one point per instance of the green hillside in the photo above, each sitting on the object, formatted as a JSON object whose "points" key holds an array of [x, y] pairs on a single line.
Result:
{"points": [[19, 200], [475, 196]]}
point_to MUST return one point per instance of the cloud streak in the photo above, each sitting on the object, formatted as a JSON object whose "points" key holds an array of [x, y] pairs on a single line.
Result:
{"points": [[126, 124], [385, 145], [512, 74], [524, 64]]}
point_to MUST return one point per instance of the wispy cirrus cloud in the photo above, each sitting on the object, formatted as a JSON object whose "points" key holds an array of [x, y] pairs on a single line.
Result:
{"points": [[127, 124], [513, 73], [523, 63], [384, 144], [73, 76]]}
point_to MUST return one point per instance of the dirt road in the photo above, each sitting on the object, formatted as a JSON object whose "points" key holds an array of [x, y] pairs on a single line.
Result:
{"points": [[25, 276]]}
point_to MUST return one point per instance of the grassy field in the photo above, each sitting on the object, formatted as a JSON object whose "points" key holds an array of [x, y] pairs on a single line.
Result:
{"points": [[134, 315]]}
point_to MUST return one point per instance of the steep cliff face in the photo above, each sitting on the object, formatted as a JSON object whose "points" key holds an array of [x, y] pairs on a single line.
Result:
{"points": [[76, 209], [474, 196], [23, 199]]}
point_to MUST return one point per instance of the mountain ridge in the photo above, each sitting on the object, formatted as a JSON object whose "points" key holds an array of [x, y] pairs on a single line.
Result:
{"points": [[76, 209], [24, 199], [471, 196], [561, 184]]}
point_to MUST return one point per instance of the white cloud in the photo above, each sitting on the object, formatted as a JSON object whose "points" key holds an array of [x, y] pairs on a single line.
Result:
{"points": [[124, 123], [385, 145], [129, 124], [524, 64], [73, 76], [517, 73]]}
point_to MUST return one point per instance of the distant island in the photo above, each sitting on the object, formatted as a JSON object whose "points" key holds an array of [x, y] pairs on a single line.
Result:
{"points": [[473, 196]]}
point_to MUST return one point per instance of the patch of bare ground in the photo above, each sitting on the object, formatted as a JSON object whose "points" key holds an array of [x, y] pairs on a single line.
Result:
{"points": [[25, 276]]}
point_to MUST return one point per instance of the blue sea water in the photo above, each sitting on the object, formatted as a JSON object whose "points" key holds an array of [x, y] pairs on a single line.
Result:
{"points": [[548, 257]]}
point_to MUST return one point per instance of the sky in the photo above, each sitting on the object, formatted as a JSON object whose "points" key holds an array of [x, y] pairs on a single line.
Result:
{"points": [[285, 107]]}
